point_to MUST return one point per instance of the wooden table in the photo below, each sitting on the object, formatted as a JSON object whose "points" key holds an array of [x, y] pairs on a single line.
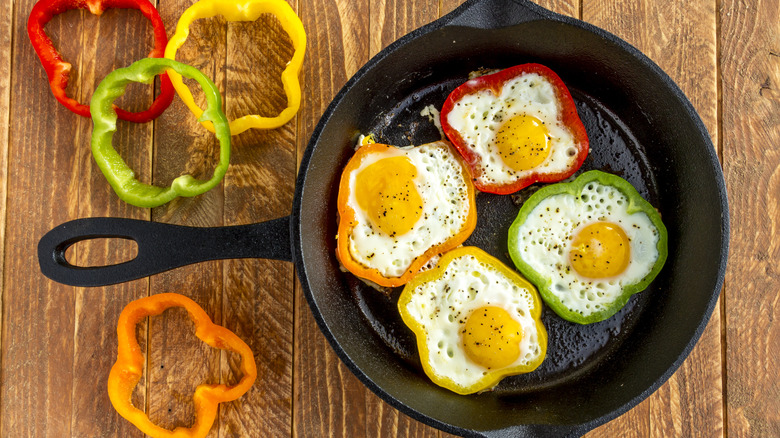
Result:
{"points": [[59, 342]]}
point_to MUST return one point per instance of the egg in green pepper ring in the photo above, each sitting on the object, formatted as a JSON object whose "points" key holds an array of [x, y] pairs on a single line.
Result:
{"points": [[588, 245]]}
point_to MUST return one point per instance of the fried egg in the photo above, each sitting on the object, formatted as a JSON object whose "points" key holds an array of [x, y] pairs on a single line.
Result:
{"points": [[588, 245], [523, 131], [476, 321], [401, 206]]}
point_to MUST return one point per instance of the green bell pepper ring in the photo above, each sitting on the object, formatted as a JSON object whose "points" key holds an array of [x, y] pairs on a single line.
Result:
{"points": [[104, 118], [588, 245]]}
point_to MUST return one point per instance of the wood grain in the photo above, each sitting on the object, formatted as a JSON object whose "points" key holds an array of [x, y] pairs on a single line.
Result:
{"points": [[57, 343], [86, 340], [258, 298], [672, 33], [328, 399], [177, 360], [750, 84], [6, 30], [103, 49], [569, 8], [392, 19], [30, 357]]}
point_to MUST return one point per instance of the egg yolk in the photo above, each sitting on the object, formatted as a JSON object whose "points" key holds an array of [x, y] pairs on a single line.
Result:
{"points": [[523, 142], [491, 337], [386, 192], [600, 250]]}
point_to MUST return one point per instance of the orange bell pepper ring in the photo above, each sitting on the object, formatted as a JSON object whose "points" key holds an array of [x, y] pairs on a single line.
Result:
{"points": [[129, 366], [398, 214], [245, 10]]}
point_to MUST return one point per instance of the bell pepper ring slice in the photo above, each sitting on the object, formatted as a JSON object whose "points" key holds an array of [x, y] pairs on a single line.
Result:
{"points": [[348, 217], [529, 172], [245, 10], [426, 313], [597, 202], [114, 168], [58, 70], [129, 366]]}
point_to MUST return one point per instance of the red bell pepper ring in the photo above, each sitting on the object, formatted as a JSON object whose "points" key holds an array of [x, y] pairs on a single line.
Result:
{"points": [[58, 70], [494, 83]]}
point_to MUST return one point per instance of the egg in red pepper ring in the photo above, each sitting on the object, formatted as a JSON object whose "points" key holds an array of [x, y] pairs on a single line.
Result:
{"points": [[399, 207], [515, 127]]}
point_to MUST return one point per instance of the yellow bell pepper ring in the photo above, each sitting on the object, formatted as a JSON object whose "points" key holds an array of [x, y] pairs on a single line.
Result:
{"points": [[245, 10]]}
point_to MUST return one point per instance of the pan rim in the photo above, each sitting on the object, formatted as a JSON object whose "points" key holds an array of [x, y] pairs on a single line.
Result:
{"points": [[545, 15]]}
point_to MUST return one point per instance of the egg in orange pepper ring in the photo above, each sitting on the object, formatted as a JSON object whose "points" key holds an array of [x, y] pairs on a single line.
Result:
{"points": [[399, 207]]}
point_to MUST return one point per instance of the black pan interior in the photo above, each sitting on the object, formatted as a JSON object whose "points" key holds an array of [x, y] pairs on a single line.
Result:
{"points": [[640, 127]]}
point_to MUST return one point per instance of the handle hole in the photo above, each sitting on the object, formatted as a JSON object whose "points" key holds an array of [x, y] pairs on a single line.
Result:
{"points": [[100, 252]]}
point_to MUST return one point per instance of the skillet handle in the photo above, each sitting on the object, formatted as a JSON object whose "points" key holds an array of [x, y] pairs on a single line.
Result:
{"points": [[494, 14], [161, 247]]}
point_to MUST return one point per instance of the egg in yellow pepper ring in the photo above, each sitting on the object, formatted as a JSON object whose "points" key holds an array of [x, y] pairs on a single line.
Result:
{"points": [[245, 10], [476, 321]]}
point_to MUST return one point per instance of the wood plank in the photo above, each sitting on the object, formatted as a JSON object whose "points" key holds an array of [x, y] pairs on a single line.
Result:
{"points": [[177, 361], [447, 6], [258, 294], [392, 19], [113, 40], [570, 8], [52, 176], [750, 84], [384, 420], [6, 31], [37, 369], [672, 33], [328, 399], [57, 343]]}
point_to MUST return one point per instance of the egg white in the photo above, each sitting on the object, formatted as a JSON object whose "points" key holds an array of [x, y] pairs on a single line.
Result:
{"points": [[545, 238], [446, 206], [442, 306], [478, 117]]}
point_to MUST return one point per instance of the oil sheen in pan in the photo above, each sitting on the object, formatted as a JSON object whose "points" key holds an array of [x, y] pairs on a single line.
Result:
{"points": [[573, 349]]}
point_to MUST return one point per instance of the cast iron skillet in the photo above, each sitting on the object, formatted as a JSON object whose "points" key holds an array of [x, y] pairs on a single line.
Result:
{"points": [[641, 127]]}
